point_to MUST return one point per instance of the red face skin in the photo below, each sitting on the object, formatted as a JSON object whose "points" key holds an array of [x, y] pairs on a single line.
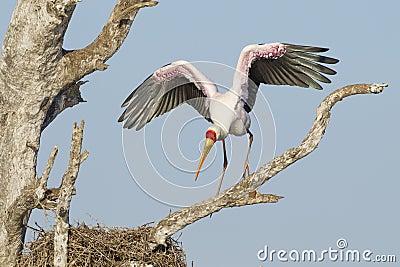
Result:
{"points": [[210, 134]]}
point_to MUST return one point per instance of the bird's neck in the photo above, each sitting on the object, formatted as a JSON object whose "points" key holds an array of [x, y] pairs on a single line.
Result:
{"points": [[222, 133]]}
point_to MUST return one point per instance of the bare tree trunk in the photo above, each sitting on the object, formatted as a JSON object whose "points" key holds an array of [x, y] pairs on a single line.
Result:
{"points": [[38, 80]]}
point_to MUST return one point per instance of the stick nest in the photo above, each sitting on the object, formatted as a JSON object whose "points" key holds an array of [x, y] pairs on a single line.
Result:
{"points": [[104, 246]]}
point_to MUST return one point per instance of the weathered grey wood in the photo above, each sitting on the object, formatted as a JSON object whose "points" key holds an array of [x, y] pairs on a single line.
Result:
{"points": [[241, 194], [65, 196], [38, 80]]}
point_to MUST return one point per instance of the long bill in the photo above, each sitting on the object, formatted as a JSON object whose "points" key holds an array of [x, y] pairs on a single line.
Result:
{"points": [[207, 147]]}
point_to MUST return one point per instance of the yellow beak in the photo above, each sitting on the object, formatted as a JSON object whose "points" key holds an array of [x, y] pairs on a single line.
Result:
{"points": [[207, 147]]}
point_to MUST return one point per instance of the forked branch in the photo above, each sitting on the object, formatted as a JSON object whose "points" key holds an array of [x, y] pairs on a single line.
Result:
{"points": [[37, 195], [65, 196], [79, 63], [241, 194], [76, 64]]}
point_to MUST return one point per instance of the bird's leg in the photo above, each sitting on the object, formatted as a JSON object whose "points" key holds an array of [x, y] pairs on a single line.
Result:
{"points": [[246, 163], [224, 167]]}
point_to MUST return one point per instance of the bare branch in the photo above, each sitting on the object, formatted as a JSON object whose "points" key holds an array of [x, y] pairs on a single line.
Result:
{"points": [[256, 199], [49, 199], [133, 9], [76, 64], [37, 195], [238, 193], [67, 98], [47, 169], [47, 205], [64, 198], [84, 156]]}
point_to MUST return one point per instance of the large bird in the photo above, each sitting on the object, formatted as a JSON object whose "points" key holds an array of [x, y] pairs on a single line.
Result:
{"points": [[181, 82]]}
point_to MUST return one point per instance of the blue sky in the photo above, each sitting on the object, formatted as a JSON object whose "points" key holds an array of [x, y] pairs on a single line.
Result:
{"points": [[347, 188]]}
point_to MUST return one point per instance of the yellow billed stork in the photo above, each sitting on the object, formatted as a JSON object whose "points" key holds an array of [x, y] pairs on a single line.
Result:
{"points": [[181, 82]]}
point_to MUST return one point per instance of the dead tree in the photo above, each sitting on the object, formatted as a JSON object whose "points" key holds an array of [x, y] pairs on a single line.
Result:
{"points": [[38, 80]]}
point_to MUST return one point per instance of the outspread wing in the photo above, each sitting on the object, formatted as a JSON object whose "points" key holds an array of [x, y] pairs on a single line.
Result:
{"points": [[280, 64], [168, 87]]}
